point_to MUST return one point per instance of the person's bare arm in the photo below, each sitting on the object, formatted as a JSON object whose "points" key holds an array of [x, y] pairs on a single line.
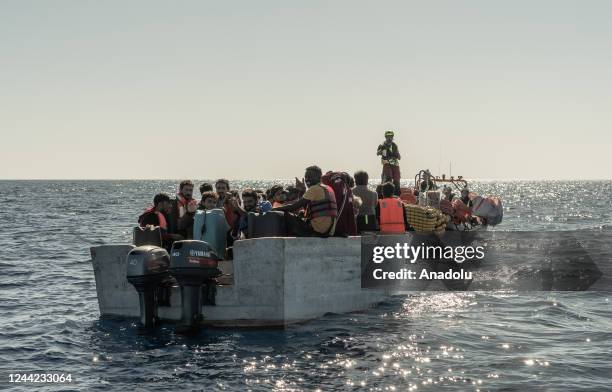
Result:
{"points": [[293, 207], [233, 204]]}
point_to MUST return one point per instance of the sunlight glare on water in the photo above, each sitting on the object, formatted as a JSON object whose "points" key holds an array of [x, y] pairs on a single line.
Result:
{"points": [[418, 342]]}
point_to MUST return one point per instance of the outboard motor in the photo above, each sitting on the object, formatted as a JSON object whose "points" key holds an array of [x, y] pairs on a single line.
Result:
{"points": [[147, 267], [193, 264]]}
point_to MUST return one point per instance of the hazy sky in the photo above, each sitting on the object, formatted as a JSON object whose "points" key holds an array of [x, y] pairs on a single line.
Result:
{"points": [[262, 89]]}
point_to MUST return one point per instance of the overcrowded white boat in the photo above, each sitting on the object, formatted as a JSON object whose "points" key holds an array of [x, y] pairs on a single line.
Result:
{"points": [[270, 281]]}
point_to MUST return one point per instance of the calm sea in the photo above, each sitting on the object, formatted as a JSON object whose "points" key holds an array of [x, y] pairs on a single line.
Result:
{"points": [[49, 319]]}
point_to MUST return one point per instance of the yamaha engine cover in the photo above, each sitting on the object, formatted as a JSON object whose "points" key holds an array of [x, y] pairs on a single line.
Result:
{"points": [[147, 267], [193, 264]]}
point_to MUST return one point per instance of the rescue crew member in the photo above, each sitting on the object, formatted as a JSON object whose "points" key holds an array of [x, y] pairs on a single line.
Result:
{"points": [[366, 214], [183, 208], [427, 184], [390, 157], [465, 197], [320, 204], [390, 212], [448, 193]]}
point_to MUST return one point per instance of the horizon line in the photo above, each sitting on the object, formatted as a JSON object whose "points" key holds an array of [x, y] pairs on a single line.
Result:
{"points": [[284, 179]]}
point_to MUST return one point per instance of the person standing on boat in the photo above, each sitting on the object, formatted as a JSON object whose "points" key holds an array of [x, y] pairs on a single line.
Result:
{"points": [[390, 157], [319, 202]]}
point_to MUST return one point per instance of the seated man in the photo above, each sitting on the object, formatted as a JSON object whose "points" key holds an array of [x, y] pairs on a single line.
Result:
{"points": [[180, 218], [156, 216], [250, 203], [210, 225], [276, 195], [390, 212], [366, 214], [320, 204], [205, 187]]}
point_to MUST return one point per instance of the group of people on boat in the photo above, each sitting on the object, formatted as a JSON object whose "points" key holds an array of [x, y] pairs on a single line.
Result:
{"points": [[321, 204]]}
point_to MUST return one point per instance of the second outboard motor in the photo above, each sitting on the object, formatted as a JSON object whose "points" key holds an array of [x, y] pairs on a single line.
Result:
{"points": [[193, 264], [147, 267]]}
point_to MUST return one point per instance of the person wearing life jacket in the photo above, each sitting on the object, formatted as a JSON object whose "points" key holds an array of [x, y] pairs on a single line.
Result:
{"points": [[390, 157], [390, 212], [184, 206], [366, 214], [156, 215], [319, 203]]}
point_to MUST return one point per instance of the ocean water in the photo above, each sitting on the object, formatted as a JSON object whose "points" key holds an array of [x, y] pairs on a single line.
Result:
{"points": [[497, 341]]}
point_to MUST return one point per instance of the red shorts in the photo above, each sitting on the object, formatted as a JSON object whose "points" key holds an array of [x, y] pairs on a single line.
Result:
{"points": [[391, 171]]}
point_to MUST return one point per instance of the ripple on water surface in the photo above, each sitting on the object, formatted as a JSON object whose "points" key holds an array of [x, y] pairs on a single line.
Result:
{"points": [[450, 341]]}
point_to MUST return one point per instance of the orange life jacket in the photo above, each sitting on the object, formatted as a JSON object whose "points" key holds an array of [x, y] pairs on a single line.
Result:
{"points": [[391, 215], [324, 207], [407, 195]]}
